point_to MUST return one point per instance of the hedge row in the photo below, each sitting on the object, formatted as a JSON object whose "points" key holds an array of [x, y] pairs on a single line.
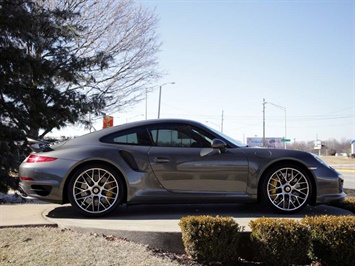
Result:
{"points": [[328, 239]]}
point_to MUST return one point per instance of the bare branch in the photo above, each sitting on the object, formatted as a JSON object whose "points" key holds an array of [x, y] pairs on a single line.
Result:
{"points": [[123, 31]]}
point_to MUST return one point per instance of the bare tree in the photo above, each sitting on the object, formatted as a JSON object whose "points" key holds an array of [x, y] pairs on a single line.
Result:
{"points": [[125, 33]]}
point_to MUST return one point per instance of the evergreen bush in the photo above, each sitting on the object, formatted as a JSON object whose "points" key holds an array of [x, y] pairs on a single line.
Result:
{"points": [[333, 239], [210, 239], [280, 241]]}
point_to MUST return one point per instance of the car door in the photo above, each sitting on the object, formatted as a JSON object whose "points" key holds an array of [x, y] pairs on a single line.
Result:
{"points": [[183, 160]]}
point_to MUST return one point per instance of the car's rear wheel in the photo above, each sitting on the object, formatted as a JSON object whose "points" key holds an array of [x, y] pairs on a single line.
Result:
{"points": [[287, 188], [95, 190]]}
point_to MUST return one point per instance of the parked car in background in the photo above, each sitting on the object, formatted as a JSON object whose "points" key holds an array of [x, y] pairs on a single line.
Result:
{"points": [[173, 161]]}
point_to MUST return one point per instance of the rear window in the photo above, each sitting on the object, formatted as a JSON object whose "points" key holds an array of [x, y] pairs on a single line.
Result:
{"points": [[133, 136]]}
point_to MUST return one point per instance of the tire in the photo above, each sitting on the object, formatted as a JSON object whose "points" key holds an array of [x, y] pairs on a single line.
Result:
{"points": [[286, 189], [95, 190]]}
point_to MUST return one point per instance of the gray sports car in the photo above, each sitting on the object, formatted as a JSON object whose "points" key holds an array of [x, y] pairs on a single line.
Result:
{"points": [[173, 161]]}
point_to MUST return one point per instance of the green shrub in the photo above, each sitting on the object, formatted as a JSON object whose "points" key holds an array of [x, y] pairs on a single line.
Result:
{"points": [[280, 241], [210, 239], [346, 204], [333, 239]]}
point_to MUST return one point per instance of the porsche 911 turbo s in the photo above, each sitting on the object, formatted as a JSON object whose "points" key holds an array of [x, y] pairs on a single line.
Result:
{"points": [[173, 161]]}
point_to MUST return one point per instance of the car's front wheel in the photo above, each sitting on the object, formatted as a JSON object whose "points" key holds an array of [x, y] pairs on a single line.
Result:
{"points": [[95, 190], [287, 188]]}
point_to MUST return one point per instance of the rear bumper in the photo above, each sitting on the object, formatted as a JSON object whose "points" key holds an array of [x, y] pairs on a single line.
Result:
{"points": [[44, 180], [40, 192]]}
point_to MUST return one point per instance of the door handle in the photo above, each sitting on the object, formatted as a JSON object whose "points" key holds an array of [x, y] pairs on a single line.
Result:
{"points": [[161, 160]]}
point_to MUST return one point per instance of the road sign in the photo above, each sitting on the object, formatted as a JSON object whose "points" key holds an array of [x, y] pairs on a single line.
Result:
{"points": [[285, 140]]}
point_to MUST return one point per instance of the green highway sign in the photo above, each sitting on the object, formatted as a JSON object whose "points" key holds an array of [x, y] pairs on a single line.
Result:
{"points": [[285, 140]]}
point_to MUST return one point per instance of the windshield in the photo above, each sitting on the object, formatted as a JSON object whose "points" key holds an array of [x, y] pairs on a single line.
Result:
{"points": [[235, 142]]}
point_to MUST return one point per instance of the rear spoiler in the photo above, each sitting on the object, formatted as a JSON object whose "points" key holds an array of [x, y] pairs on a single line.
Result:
{"points": [[38, 145]]}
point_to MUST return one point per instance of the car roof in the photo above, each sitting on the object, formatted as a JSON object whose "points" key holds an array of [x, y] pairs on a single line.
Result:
{"points": [[145, 123], [96, 135]]}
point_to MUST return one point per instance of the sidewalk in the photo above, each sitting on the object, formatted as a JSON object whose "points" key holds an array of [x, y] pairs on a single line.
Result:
{"points": [[148, 218], [12, 215]]}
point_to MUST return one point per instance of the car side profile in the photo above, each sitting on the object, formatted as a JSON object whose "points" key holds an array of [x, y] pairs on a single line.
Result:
{"points": [[173, 161]]}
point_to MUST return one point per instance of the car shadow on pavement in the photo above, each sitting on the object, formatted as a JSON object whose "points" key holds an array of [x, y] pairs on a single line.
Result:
{"points": [[177, 211]]}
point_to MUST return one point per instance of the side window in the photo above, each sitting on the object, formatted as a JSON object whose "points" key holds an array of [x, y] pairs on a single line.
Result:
{"points": [[171, 138], [127, 138], [135, 136], [175, 135]]}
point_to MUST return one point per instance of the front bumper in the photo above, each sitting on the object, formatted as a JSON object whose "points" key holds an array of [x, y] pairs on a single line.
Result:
{"points": [[330, 187]]}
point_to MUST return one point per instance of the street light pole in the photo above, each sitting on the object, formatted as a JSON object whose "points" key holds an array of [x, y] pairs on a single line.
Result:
{"points": [[264, 122], [280, 107], [160, 87]]}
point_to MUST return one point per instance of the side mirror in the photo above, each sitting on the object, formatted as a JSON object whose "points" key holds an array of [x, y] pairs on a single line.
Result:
{"points": [[219, 144]]}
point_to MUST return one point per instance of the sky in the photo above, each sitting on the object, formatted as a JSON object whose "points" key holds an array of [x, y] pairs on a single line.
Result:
{"points": [[227, 57]]}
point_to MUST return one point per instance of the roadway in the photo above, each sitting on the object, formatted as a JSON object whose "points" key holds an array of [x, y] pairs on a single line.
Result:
{"points": [[349, 178]]}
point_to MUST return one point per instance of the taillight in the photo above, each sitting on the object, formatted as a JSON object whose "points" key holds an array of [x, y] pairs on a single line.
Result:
{"points": [[39, 159], [23, 178]]}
